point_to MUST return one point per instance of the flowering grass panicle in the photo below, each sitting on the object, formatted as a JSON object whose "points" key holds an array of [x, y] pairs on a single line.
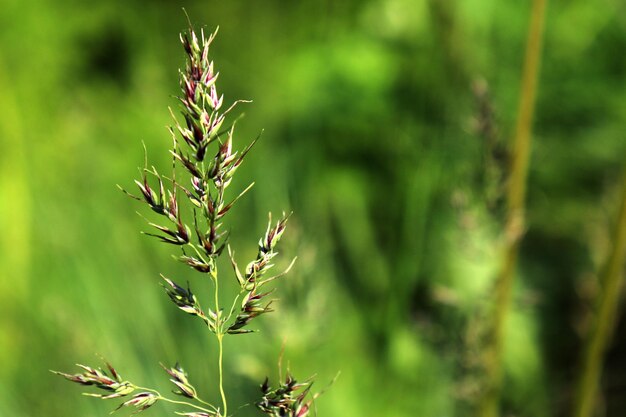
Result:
{"points": [[192, 205]]}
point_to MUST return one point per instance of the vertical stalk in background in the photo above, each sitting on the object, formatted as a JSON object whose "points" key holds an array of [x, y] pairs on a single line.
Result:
{"points": [[15, 201], [515, 216], [600, 335], [16, 224]]}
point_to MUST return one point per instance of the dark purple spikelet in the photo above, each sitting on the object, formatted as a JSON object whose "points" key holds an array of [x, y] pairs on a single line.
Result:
{"points": [[179, 378], [112, 384], [289, 399], [141, 401], [251, 308]]}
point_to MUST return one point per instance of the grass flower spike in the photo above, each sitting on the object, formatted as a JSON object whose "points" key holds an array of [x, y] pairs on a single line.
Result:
{"points": [[192, 206]]}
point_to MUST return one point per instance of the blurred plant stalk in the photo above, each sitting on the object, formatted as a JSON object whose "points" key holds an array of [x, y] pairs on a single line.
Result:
{"points": [[515, 215], [15, 203], [607, 304], [16, 223]]}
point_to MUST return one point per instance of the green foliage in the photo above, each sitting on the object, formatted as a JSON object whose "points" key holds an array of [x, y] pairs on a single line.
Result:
{"points": [[367, 109]]}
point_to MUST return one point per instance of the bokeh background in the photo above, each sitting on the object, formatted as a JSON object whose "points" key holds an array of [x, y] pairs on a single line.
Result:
{"points": [[386, 124]]}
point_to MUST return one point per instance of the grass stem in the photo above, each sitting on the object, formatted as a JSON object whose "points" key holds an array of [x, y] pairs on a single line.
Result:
{"points": [[515, 216], [219, 333], [608, 300], [220, 362], [185, 403]]}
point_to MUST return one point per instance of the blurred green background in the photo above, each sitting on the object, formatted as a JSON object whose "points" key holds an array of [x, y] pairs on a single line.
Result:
{"points": [[372, 138]]}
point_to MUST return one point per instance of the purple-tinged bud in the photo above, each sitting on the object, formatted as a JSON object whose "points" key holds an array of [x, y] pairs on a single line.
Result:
{"points": [[179, 378], [192, 125], [141, 401], [97, 377], [226, 149], [148, 194], [113, 372], [184, 39], [195, 47], [183, 232], [303, 410], [190, 89], [187, 136], [198, 185], [216, 102], [172, 207], [206, 243], [205, 51], [179, 237], [184, 299], [196, 264], [273, 235], [201, 151], [195, 72], [187, 163], [209, 78]]}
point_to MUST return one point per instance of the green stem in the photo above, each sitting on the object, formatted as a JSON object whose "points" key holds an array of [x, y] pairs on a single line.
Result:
{"points": [[219, 333], [220, 336], [206, 403], [515, 216], [185, 403], [608, 301], [197, 251]]}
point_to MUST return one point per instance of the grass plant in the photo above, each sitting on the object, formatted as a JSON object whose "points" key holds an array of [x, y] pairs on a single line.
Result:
{"points": [[192, 204]]}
